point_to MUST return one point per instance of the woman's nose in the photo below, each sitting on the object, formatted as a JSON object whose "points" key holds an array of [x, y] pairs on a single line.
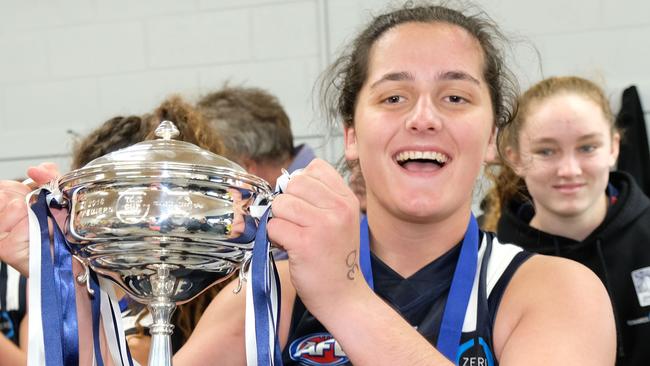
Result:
{"points": [[569, 166], [424, 116]]}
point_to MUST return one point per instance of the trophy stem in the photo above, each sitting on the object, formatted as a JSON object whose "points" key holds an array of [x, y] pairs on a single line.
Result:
{"points": [[161, 308]]}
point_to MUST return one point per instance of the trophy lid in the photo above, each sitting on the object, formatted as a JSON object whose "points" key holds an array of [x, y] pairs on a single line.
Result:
{"points": [[165, 149], [163, 157]]}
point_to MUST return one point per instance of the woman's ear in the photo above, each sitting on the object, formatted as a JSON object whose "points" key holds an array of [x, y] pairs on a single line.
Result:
{"points": [[514, 160], [492, 152], [613, 154], [350, 137]]}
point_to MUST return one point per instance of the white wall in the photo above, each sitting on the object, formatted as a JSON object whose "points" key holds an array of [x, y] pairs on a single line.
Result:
{"points": [[68, 65]]}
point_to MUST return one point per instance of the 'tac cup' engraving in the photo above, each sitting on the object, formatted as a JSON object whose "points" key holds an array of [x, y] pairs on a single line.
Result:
{"points": [[131, 207]]}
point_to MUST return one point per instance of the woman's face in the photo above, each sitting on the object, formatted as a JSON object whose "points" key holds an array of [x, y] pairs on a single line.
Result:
{"points": [[566, 150], [422, 122]]}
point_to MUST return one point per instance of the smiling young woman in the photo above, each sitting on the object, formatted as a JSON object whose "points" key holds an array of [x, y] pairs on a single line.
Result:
{"points": [[561, 147], [419, 94]]}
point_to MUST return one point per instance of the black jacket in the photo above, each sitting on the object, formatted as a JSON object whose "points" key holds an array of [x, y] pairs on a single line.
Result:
{"points": [[634, 156], [616, 249]]}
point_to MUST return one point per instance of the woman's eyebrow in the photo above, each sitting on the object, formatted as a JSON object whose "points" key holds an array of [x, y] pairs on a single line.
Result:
{"points": [[446, 75], [457, 75], [394, 76]]}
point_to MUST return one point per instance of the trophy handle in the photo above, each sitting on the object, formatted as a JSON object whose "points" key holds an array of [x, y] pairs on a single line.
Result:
{"points": [[84, 277], [242, 273]]}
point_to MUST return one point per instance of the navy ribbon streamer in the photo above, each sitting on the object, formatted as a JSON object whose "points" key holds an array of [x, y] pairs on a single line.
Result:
{"points": [[64, 281], [459, 293], [261, 285], [58, 308], [96, 311]]}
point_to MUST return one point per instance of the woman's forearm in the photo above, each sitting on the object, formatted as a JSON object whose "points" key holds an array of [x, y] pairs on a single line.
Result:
{"points": [[372, 333]]}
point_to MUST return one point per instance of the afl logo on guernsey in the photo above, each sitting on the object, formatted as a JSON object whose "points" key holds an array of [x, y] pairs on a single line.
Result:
{"points": [[317, 350]]}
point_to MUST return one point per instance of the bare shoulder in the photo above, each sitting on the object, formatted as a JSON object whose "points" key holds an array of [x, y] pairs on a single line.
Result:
{"points": [[555, 311]]}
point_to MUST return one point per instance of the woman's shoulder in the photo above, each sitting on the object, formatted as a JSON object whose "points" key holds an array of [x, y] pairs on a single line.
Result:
{"points": [[553, 300], [554, 278]]}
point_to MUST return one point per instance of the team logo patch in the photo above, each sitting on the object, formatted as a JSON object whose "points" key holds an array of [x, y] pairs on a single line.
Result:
{"points": [[320, 349], [641, 279], [472, 353]]}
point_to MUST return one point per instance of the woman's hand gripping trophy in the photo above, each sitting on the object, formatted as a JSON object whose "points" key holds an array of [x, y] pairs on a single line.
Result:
{"points": [[14, 223]]}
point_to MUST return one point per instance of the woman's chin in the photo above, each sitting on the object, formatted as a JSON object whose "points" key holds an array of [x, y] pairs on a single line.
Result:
{"points": [[420, 210]]}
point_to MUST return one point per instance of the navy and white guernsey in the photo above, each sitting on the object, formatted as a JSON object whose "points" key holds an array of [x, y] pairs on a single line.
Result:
{"points": [[420, 299], [13, 301]]}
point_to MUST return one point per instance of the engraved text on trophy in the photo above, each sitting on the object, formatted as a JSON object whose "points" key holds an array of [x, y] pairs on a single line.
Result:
{"points": [[131, 207]]}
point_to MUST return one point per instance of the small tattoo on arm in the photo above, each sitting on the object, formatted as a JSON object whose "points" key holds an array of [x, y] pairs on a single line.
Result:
{"points": [[351, 263]]}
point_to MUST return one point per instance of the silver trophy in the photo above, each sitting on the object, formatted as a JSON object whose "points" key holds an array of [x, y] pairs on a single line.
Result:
{"points": [[163, 219]]}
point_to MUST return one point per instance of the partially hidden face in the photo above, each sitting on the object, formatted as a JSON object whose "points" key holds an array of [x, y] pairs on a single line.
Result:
{"points": [[423, 121], [566, 150]]}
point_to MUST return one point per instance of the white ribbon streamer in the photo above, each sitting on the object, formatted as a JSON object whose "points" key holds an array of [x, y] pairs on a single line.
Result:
{"points": [[111, 314], [35, 344], [251, 343]]}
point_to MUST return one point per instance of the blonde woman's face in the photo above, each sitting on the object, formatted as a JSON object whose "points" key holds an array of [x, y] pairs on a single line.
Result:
{"points": [[566, 150]]}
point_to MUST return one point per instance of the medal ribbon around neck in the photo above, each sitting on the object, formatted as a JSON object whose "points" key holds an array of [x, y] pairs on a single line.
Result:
{"points": [[459, 292]]}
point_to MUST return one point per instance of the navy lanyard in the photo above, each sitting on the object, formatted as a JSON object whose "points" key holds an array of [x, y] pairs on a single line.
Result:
{"points": [[453, 316], [4, 278]]}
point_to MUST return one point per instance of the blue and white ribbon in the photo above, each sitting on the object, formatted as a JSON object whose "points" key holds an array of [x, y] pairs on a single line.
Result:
{"points": [[263, 292], [53, 327]]}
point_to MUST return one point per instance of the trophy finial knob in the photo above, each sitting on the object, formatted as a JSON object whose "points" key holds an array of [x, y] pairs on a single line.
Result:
{"points": [[166, 130]]}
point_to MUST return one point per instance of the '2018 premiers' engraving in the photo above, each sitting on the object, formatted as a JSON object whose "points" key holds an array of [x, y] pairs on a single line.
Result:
{"points": [[93, 207]]}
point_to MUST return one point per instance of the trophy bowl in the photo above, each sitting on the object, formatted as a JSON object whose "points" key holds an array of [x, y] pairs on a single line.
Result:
{"points": [[164, 220]]}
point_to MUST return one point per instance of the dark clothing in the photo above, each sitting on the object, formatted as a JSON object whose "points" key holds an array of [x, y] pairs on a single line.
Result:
{"points": [[420, 299], [618, 251], [634, 156], [302, 156], [13, 302]]}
